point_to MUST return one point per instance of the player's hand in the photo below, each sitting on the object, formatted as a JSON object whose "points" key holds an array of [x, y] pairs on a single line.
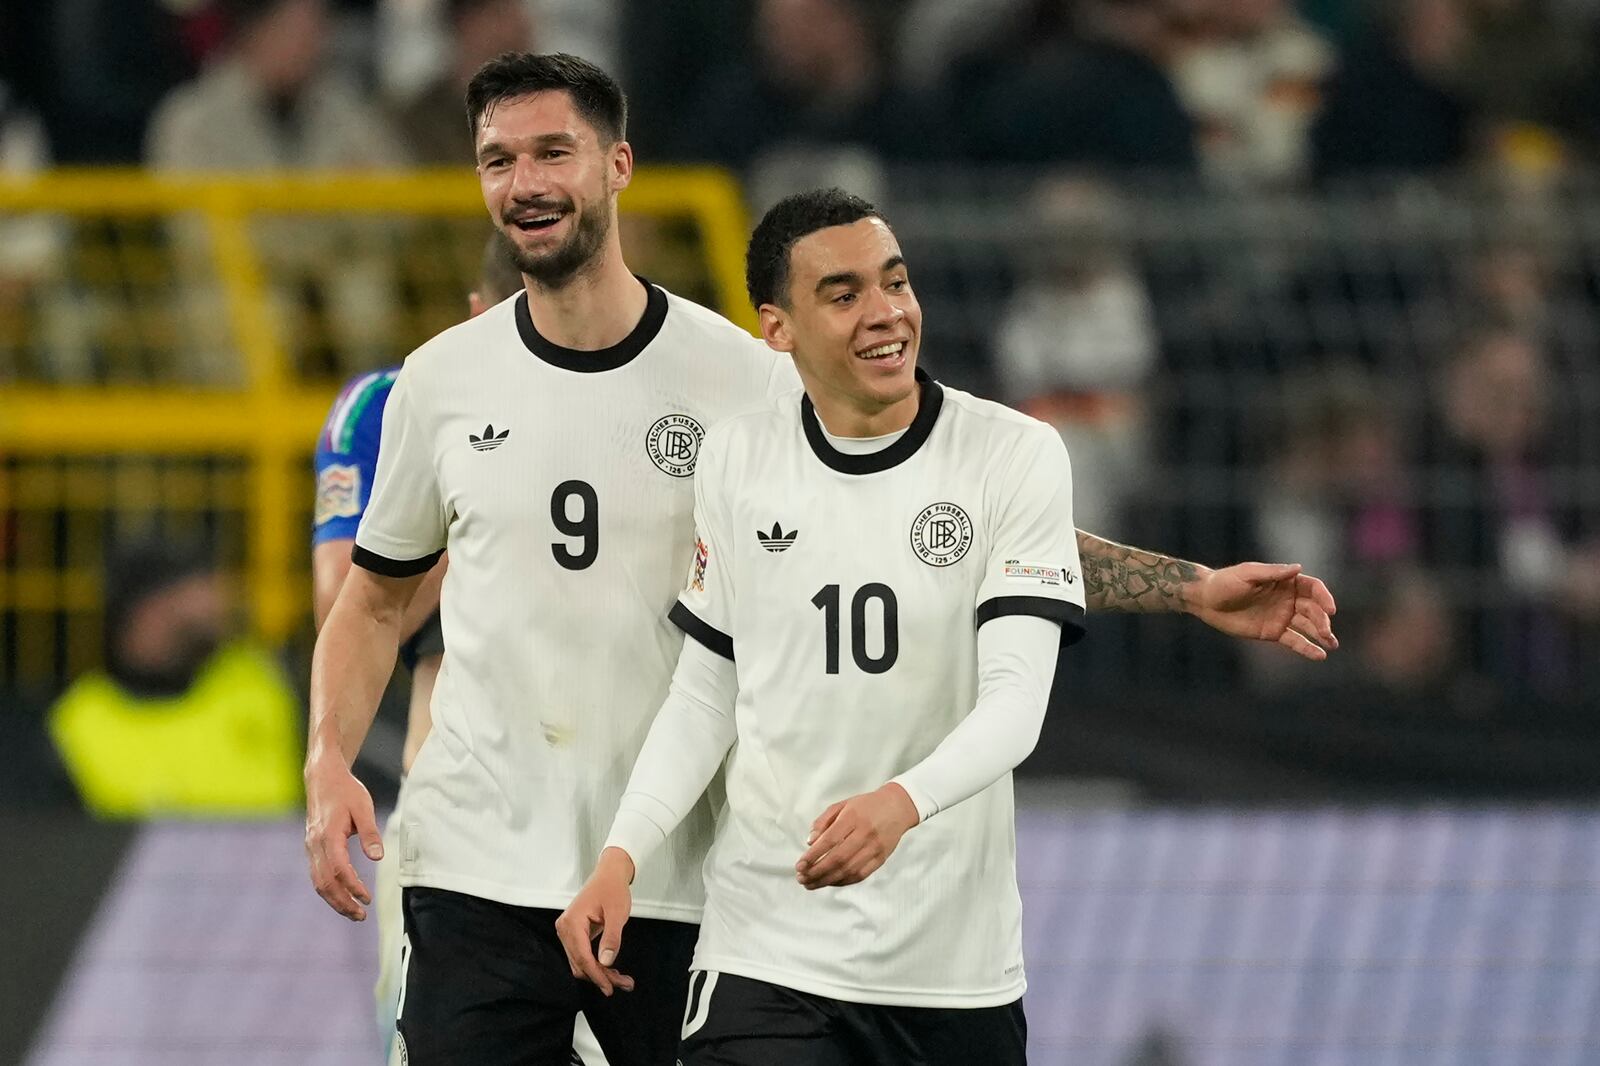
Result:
{"points": [[600, 910], [1263, 601], [854, 837], [338, 807]]}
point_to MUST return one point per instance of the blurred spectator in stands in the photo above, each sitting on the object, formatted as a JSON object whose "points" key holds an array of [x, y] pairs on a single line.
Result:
{"points": [[434, 122], [1337, 493], [1095, 94], [1405, 637], [934, 35], [267, 104], [184, 720], [1503, 514], [24, 66], [416, 44], [1518, 279], [1529, 73], [112, 63], [31, 249], [1077, 342], [1335, 19], [668, 50], [1250, 75], [1391, 105], [817, 77], [588, 28]]}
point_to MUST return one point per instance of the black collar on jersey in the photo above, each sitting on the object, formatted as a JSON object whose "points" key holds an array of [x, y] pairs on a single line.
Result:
{"points": [[619, 354], [875, 462]]}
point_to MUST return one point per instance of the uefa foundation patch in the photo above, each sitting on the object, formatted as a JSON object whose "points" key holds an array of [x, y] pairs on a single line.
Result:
{"points": [[1025, 573]]}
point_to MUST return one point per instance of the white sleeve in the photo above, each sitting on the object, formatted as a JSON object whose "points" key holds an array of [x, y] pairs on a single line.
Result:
{"points": [[1016, 664], [687, 742], [403, 529], [1033, 566]]}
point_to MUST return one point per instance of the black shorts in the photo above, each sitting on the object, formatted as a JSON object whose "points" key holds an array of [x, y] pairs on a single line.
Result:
{"points": [[735, 1021], [487, 984]]}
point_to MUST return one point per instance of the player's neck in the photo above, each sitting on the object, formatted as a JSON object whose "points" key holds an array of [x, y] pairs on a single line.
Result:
{"points": [[595, 310], [845, 416]]}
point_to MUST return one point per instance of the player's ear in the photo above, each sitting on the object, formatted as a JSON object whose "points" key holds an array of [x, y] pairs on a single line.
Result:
{"points": [[621, 164], [476, 305], [775, 328]]}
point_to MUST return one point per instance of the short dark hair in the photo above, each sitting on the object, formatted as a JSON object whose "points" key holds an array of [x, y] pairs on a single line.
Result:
{"points": [[766, 262], [596, 94]]}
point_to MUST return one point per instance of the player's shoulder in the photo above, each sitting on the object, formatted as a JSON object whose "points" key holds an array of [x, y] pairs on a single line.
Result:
{"points": [[746, 431], [686, 315], [749, 424], [366, 383], [703, 330], [995, 421], [443, 352], [356, 407]]}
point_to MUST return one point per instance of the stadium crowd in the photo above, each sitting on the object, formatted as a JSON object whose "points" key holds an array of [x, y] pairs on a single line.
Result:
{"points": [[1294, 280], [1246, 93]]}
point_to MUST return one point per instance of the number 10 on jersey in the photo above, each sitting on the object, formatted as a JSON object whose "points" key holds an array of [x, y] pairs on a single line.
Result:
{"points": [[827, 601]]}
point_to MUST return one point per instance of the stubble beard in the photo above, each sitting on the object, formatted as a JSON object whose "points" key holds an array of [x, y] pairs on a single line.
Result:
{"points": [[578, 254]]}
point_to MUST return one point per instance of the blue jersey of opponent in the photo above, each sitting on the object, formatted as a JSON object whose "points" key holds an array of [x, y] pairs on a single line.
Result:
{"points": [[347, 455]]}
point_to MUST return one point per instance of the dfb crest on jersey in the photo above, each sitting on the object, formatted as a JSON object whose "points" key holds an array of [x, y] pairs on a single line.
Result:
{"points": [[941, 534], [673, 443]]}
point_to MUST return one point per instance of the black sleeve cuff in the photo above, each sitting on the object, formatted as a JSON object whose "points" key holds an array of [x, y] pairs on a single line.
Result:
{"points": [[1070, 615], [380, 564], [714, 639]]}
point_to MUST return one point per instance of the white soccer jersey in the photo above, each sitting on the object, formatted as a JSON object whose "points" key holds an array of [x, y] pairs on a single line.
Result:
{"points": [[848, 590], [560, 483]]}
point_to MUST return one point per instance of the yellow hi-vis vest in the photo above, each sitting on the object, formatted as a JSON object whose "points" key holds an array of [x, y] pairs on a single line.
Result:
{"points": [[227, 748]]}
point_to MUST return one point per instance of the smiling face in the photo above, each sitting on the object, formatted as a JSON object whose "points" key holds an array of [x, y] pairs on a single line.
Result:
{"points": [[851, 321], [550, 181]]}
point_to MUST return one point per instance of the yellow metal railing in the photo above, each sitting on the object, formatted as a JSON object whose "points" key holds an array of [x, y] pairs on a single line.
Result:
{"points": [[269, 423]]}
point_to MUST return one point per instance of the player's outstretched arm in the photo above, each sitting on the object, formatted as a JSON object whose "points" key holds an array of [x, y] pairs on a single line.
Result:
{"points": [[688, 740], [1253, 601], [354, 657], [1016, 665]]}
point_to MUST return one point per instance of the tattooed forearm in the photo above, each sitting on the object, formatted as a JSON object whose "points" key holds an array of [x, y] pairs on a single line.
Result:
{"points": [[1119, 578]]}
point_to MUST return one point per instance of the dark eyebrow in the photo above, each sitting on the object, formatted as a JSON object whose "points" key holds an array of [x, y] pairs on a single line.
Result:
{"points": [[544, 140], [848, 277]]}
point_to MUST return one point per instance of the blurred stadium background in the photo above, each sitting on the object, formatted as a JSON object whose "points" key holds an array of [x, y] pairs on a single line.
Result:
{"points": [[1313, 281]]}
